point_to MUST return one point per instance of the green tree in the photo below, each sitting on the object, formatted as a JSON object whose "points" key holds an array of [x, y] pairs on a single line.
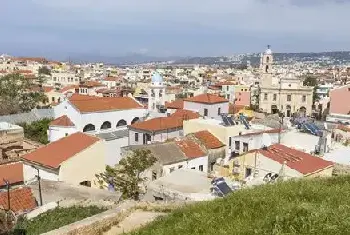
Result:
{"points": [[126, 176], [37, 131], [17, 94], [44, 70], [310, 81]]}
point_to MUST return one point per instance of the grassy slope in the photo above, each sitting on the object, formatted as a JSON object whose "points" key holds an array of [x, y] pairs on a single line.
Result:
{"points": [[319, 207], [57, 218]]}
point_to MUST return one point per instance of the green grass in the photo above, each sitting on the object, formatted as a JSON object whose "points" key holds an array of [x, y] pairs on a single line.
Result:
{"points": [[318, 206], [57, 218]]}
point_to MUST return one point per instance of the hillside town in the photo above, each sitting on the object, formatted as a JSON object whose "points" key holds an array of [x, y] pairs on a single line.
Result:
{"points": [[191, 132]]}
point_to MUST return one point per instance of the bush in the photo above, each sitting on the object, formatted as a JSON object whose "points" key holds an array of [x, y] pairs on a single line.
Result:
{"points": [[309, 206], [57, 218], [37, 131]]}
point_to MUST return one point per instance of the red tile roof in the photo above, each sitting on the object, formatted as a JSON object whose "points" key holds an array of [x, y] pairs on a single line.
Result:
{"points": [[34, 59], [111, 79], [13, 172], [21, 200], [88, 104], [159, 124], [185, 114], [62, 121], [67, 88], [207, 99], [234, 108], [176, 104], [3, 71], [55, 153], [302, 162], [48, 88], [190, 148], [208, 140]]}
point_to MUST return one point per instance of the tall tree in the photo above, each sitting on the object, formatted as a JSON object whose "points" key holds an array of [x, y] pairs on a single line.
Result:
{"points": [[310, 81], [126, 176], [44, 70], [17, 94]]}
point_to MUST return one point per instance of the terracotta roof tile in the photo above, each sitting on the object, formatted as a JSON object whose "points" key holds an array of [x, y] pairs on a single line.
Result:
{"points": [[67, 88], [159, 124], [111, 79], [208, 140], [21, 200], [88, 104], [207, 99], [190, 148], [53, 154], [302, 162], [13, 172], [185, 114], [176, 104], [62, 121], [24, 71]]}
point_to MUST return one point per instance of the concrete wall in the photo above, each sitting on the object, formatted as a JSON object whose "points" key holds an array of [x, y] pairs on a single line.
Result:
{"points": [[84, 165], [190, 163], [212, 108]]}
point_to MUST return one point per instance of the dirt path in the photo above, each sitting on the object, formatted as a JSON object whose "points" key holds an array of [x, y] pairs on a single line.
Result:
{"points": [[135, 220]]}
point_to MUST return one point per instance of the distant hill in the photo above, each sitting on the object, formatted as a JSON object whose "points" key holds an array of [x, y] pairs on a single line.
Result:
{"points": [[307, 206]]}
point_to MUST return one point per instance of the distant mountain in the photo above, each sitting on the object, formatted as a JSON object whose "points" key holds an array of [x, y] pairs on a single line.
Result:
{"points": [[121, 60]]}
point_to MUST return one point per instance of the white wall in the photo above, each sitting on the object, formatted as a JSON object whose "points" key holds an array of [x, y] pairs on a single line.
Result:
{"points": [[82, 119], [113, 150], [196, 162], [160, 137], [212, 108], [55, 132], [29, 174]]}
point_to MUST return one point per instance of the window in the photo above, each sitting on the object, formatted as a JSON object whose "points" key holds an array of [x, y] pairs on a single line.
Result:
{"points": [[193, 168], [154, 175], [274, 97], [172, 169], [205, 112], [245, 89], [86, 183], [180, 166], [229, 141], [289, 97], [121, 122], [53, 99], [228, 97], [212, 166], [237, 145], [248, 172], [106, 125], [241, 90], [227, 88], [66, 134], [304, 98], [265, 96], [200, 167], [245, 147], [219, 111], [136, 137]]}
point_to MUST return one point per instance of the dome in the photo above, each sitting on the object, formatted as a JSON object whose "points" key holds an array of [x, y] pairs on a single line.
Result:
{"points": [[156, 78], [268, 51]]}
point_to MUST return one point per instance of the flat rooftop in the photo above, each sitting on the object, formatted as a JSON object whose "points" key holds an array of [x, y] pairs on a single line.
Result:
{"points": [[8, 126]]}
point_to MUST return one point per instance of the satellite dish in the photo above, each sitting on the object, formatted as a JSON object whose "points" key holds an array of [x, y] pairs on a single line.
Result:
{"points": [[266, 140]]}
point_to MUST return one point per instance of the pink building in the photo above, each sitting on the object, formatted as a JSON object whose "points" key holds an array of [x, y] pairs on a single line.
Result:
{"points": [[242, 98], [340, 100]]}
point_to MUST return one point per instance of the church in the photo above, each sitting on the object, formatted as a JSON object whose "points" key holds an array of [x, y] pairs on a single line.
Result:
{"points": [[286, 94]]}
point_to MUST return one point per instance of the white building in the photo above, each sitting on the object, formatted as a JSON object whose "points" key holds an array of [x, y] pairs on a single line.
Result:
{"points": [[106, 117], [156, 93]]}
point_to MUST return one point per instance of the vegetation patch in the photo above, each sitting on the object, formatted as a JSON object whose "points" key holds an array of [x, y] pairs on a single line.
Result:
{"points": [[56, 218], [37, 131], [309, 206]]}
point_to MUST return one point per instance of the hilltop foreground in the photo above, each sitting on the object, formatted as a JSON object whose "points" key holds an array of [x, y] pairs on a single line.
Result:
{"points": [[318, 206]]}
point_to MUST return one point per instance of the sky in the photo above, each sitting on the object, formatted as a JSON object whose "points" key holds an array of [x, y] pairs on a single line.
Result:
{"points": [[63, 28]]}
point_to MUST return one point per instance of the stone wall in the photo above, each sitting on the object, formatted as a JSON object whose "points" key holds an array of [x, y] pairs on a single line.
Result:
{"points": [[102, 222]]}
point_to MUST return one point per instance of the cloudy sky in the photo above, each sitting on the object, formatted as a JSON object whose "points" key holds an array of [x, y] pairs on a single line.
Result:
{"points": [[60, 28]]}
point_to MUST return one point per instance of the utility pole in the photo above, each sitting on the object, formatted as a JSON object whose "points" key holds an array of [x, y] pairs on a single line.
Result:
{"points": [[39, 184], [8, 194]]}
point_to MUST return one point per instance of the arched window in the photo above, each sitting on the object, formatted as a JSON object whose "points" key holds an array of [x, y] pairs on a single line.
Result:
{"points": [[106, 125], [121, 123], [135, 120], [89, 127], [267, 59], [266, 69]]}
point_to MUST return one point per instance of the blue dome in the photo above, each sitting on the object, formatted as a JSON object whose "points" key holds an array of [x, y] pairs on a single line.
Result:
{"points": [[157, 78]]}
